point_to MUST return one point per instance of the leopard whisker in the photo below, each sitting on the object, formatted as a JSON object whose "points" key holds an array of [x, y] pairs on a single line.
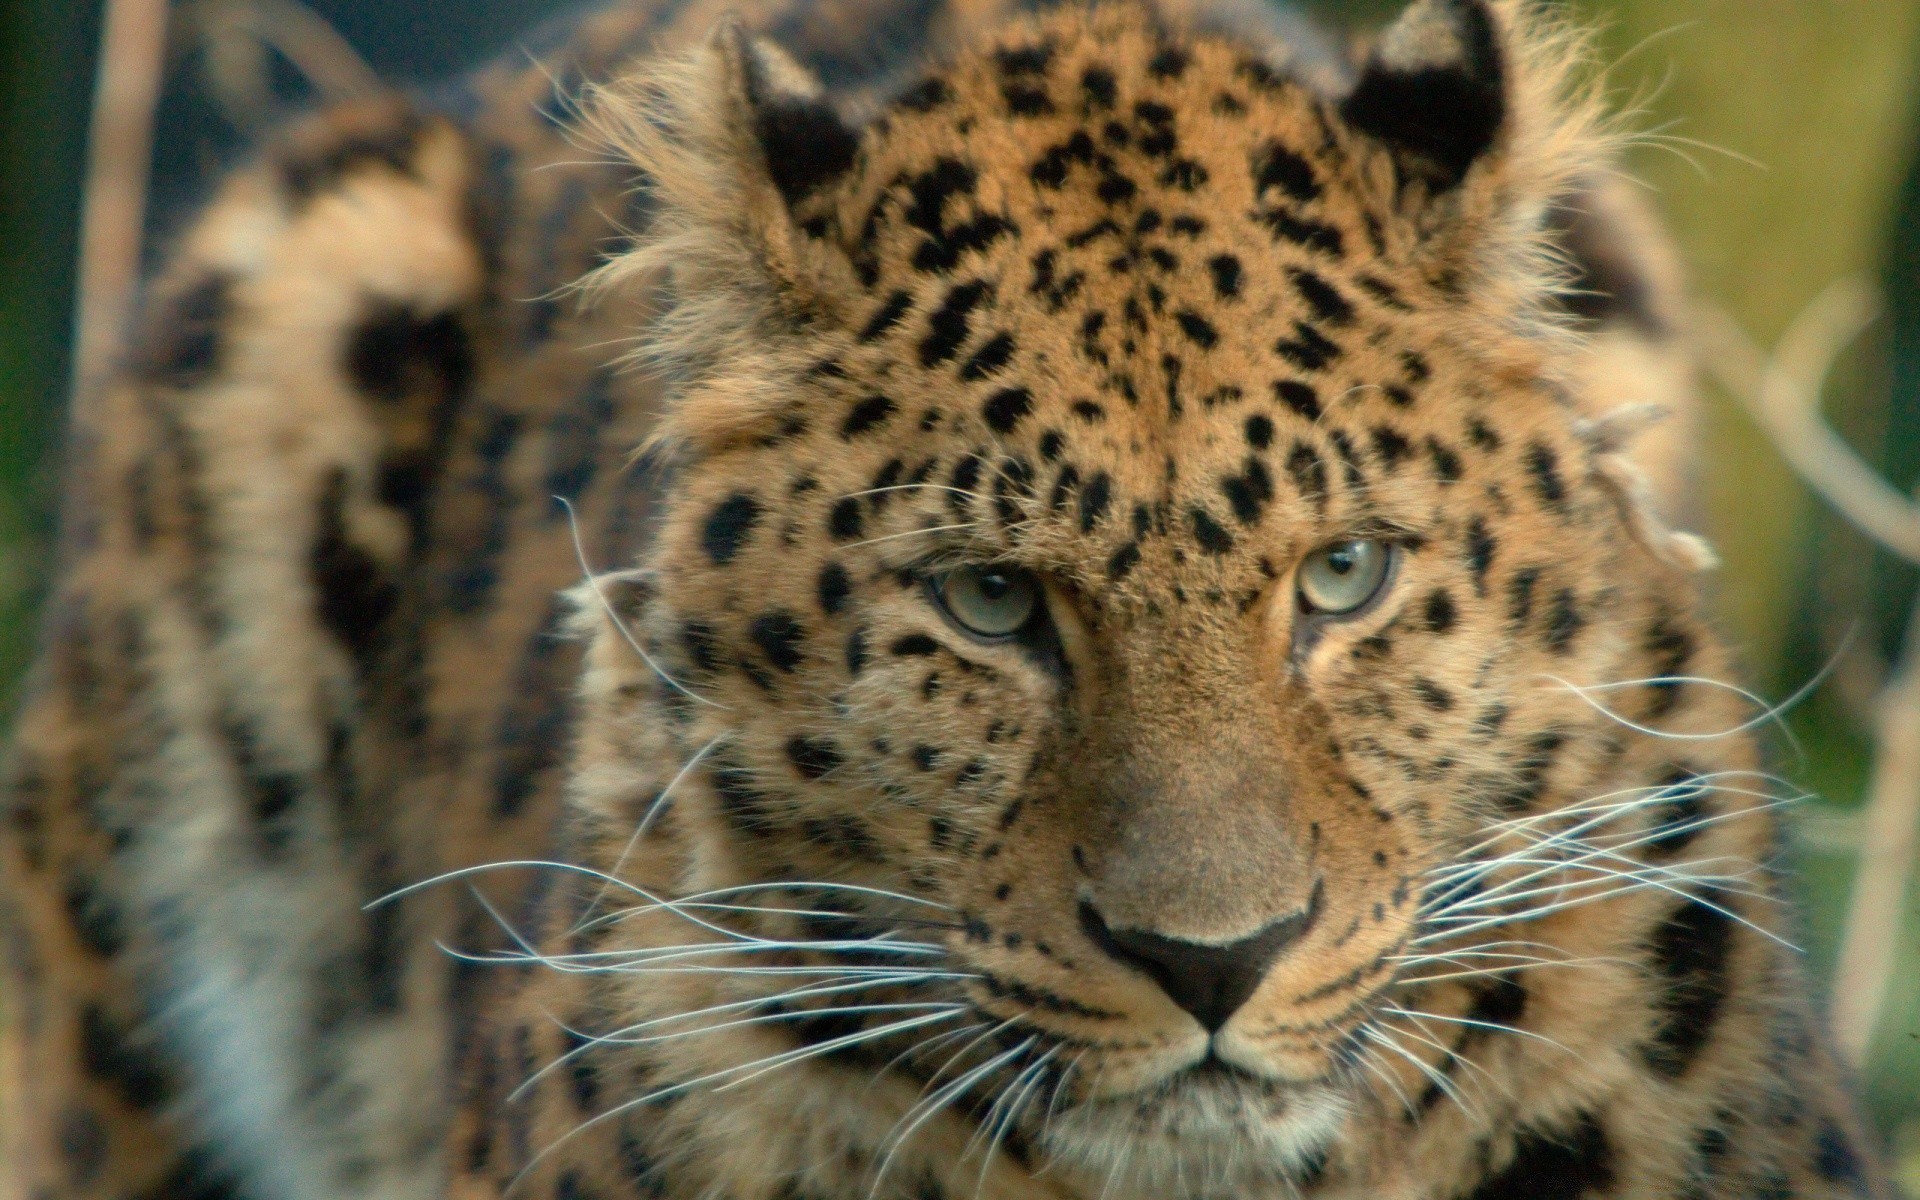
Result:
{"points": [[933, 1105], [1447, 1087], [1496, 1026], [758, 1067], [797, 992], [645, 823], [606, 606]]}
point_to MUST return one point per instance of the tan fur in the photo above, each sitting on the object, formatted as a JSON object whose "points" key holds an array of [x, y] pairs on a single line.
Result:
{"points": [[1125, 297]]}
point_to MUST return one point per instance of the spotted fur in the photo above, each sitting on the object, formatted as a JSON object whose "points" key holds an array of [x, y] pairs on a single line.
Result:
{"points": [[1149, 302]]}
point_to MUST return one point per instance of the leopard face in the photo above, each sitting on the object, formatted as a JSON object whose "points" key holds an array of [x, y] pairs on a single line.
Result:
{"points": [[1131, 551]]}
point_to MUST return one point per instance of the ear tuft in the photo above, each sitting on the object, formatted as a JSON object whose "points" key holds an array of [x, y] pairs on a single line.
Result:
{"points": [[1435, 89], [805, 142]]}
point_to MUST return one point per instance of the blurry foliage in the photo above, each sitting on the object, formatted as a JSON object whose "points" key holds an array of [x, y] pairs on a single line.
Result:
{"points": [[1781, 145]]}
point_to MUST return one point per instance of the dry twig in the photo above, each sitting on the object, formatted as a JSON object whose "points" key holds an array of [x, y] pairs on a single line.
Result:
{"points": [[1782, 393], [119, 156]]}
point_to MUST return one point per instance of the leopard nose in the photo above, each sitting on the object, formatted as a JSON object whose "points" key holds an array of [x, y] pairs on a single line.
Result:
{"points": [[1209, 981]]}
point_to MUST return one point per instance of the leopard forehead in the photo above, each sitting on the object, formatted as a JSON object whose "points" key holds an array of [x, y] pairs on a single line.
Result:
{"points": [[1142, 283]]}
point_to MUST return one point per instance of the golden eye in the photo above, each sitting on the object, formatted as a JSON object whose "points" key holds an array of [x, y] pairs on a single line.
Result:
{"points": [[988, 602], [1340, 578]]}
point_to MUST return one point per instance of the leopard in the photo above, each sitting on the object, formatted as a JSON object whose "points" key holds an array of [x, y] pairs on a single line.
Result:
{"points": [[844, 599]]}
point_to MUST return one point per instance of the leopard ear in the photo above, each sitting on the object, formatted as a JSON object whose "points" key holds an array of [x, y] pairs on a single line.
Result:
{"points": [[1435, 90], [803, 144], [732, 141]]}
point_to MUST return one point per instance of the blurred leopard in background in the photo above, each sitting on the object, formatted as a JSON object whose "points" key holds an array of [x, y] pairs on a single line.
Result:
{"points": [[1137, 659]]}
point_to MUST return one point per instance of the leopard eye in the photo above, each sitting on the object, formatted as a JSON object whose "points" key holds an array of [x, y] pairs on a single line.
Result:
{"points": [[988, 602], [1340, 578]]}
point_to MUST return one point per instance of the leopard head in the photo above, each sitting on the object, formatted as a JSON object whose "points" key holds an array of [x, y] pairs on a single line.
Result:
{"points": [[1127, 508]]}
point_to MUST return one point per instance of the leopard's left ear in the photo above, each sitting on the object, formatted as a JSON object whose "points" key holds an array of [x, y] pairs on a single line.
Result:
{"points": [[1434, 90], [731, 142], [1487, 114]]}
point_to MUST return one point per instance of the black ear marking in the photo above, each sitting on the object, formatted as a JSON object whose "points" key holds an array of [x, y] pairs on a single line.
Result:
{"points": [[805, 142], [1434, 89]]}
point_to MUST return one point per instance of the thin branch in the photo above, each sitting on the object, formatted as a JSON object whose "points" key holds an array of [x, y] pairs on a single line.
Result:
{"points": [[119, 156], [235, 35], [1782, 393], [1890, 831]]}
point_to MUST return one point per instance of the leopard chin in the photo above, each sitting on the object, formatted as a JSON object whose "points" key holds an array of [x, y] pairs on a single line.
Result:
{"points": [[1207, 1130]]}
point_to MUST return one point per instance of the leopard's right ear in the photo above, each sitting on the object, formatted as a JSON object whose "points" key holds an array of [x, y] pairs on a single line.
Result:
{"points": [[731, 142]]}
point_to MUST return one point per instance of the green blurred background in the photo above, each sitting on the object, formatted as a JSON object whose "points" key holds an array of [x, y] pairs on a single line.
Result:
{"points": [[1803, 167]]}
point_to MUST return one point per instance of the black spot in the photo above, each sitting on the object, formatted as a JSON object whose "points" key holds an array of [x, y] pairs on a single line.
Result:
{"points": [[1836, 1159], [353, 592], [1098, 84], [1225, 269], [813, 756], [1212, 538], [395, 353], [947, 327], [1307, 349], [1682, 812], [129, 1062], [96, 918], [1480, 550], [1299, 397], [1446, 463], [1439, 116], [1322, 297], [1390, 445], [1691, 952], [806, 145], [310, 170], [1432, 694], [1277, 166], [1259, 431], [182, 347], [1564, 621], [1169, 62], [1309, 472], [728, 526], [1440, 612], [835, 587], [1249, 491], [925, 96], [866, 415], [856, 651], [1021, 61], [1004, 409], [1094, 499], [1313, 235], [698, 640], [1025, 100], [888, 316], [915, 645], [1123, 561], [1545, 469], [846, 521], [778, 635], [742, 804], [989, 359], [945, 243], [1671, 648], [1198, 329], [1554, 1165], [1499, 1000]]}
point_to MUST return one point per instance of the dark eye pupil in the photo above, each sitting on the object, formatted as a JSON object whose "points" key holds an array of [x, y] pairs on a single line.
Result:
{"points": [[994, 586], [1342, 559]]}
